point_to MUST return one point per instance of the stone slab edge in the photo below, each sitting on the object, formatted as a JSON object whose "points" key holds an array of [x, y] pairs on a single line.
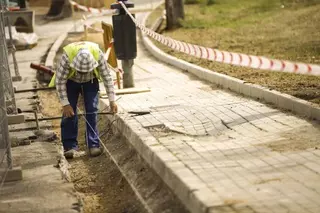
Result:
{"points": [[54, 49], [15, 119], [280, 100], [191, 191], [14, 174]]}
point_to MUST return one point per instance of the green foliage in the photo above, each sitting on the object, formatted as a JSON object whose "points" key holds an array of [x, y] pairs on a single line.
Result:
{"points": [[210, 2], [191, 1], [202, 2], [299, 2], [237, 13]]}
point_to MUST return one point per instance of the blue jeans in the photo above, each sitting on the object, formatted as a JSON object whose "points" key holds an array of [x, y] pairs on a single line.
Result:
{"points": [[69, 126]]}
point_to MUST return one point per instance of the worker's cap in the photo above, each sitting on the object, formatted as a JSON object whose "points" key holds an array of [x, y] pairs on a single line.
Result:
{"points": [[84, 61]]}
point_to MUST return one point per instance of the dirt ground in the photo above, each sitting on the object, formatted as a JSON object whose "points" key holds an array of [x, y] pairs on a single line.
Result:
{"points": [[101, 183], [288, 31], [296, 140], [98, 181]]}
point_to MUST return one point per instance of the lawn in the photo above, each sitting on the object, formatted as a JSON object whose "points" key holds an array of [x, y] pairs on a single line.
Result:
{"points": [[279, 29]]}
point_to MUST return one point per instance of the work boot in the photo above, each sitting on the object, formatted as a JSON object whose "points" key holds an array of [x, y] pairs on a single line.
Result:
{"points": [[94, 152], [69, 154]]}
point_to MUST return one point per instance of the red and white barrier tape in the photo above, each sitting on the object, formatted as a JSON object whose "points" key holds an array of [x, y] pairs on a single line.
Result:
{"points": [[99, 30], [257, 62], [97, 11], [94, 12], [84, 19]]}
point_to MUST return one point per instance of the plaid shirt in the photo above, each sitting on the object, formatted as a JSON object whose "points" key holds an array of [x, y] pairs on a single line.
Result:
{"points": [[62, 78]]}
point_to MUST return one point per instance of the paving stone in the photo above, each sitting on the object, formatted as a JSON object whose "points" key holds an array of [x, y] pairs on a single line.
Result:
{"points": [[243, 152]]}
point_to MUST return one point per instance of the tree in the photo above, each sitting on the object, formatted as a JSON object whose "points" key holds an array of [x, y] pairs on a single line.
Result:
{"points": [[174, 13]]}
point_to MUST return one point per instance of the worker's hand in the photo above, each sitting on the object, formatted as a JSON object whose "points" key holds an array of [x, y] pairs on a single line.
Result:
{"points": [[68, 111], [113, 107]]}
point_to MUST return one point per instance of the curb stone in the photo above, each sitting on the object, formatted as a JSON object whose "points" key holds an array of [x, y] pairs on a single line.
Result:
{"points": [[190, 190], [278, 99], [54, 49], [193, 193]]}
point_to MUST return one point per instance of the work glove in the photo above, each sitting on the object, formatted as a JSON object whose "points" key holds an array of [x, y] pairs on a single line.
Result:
{"points": [[68, 111], [113, 107]]}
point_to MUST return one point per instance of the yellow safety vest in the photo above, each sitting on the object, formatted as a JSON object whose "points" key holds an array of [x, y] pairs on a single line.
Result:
{"points": [[72, 50]]}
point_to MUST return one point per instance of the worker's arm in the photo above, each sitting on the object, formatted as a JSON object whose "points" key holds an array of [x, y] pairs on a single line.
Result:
{"points": [[107, 78], [62, 78]]}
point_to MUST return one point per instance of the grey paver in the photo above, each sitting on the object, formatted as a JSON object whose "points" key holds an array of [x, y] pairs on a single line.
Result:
{"points": [[230, 144]]}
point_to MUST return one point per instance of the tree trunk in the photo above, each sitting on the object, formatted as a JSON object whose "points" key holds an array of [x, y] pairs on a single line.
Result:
{"points": [[175, 12]]}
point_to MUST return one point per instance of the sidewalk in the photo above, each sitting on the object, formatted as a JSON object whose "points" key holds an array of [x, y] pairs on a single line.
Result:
{"points": [[43, 188], [218, 151]]}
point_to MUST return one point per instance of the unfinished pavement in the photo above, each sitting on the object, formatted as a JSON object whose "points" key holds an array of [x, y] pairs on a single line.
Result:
{"points": [[219, 151], [43, 188], [229, 171]]}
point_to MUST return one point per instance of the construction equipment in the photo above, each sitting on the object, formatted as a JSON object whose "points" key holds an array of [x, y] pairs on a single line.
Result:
{"points": [[42, 68], [59, 9], [20, 17], [36, 119], [44, 73]]}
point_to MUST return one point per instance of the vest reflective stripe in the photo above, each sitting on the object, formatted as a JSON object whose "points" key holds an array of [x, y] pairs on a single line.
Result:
{"points": [[72, 50]]}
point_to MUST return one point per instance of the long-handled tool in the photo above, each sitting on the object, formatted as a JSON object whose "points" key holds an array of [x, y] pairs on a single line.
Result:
{"points": [[59, 117], [136, 113]]}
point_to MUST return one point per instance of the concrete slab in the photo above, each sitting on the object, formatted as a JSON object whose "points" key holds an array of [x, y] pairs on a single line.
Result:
{"points": [[23, 134], [27, 105], [15, 119], [14, 174], [16, 78], [42, 189]]}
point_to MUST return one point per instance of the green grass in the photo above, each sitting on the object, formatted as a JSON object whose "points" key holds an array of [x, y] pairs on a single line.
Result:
{"points": [[280, 29]]}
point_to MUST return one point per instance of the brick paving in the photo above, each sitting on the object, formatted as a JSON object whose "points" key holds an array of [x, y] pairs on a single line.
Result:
{"points": [[248, 156]]}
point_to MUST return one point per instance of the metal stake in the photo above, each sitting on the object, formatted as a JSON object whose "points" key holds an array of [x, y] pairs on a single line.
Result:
{"points": [[127, 73]]}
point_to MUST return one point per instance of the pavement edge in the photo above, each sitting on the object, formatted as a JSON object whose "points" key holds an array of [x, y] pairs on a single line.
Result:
{"points": [[191, 191], [54, 49], [278, 99]]}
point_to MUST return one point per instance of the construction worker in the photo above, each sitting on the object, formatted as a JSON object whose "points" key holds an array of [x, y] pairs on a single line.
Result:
{"points": [[81, 67]]}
